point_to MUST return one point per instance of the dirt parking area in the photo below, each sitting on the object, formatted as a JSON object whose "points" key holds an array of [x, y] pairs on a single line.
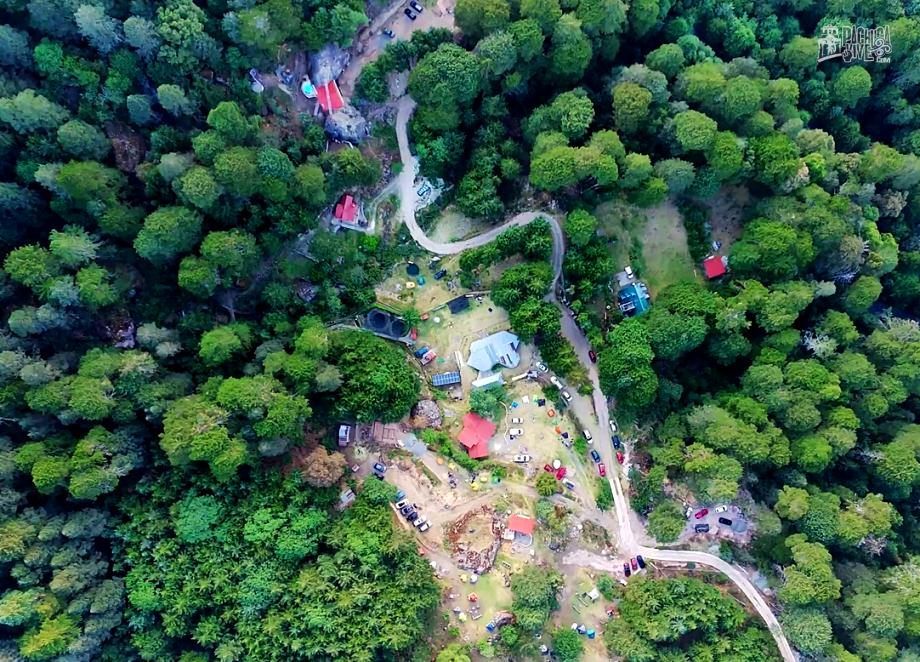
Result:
{"points": [[740, 531], [576, 607]]}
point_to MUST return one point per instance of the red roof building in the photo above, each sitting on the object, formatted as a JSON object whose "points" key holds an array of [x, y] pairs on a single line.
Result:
{"points": [[346, 209], [521, 524], [476, 434], [714, 266], [329, 97]]}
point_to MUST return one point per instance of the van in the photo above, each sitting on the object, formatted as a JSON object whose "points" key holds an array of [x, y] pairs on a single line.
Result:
{"points": [[701, 528], [587, 435]]}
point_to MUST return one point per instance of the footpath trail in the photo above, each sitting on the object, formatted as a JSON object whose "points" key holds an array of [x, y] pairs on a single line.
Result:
{"points": [[586, 410]]}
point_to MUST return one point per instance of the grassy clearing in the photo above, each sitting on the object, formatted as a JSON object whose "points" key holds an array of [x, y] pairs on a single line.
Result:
{"points": [[652, 240]]}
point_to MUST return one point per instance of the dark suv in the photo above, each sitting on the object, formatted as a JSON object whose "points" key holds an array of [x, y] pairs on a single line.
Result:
{"points": [[701, 528]]}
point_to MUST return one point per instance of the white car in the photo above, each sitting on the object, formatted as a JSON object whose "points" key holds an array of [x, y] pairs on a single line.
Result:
{"points": [[522, 458], [555, 381], [424, 527], [420, 522], [517, 421], [628, 270], [516, 432], [400, 504], [689, 512], [567, 396], [542, 367], [613, 427], [721, 509], [587, 436]]}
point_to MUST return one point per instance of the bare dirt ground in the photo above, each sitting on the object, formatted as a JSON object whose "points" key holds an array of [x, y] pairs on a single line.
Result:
{"points": [[452, 225], [725, 212]]}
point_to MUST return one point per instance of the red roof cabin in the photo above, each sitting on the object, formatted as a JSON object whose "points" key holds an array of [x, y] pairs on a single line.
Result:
{"points": [[714, 266], [329, 97], [521, 524], [346, 210], [475, 435]]}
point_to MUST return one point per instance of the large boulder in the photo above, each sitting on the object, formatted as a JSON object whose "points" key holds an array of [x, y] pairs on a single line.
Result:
{"points": [[328, 64], [346, 125]]}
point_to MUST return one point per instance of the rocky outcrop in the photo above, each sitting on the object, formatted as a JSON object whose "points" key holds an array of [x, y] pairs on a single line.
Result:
{"points": [[346, 125]]}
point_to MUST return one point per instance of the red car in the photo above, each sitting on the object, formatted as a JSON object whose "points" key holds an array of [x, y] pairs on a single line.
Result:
{"points": [[592, 356], [560, 473], [548, 467], [601, 469], [619, 457], [702, 513], [634, 564]]}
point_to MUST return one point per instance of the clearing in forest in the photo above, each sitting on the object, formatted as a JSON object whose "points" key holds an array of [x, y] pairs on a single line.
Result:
{"points": [[725, 212], [653, 241]]}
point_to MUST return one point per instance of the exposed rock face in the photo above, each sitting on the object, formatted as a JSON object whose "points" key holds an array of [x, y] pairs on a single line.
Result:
{"points": [[328, 64], [346, 125], [427, 413]]}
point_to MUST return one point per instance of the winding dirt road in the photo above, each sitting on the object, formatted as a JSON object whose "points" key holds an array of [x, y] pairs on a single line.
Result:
{"points": [[628, 546]]}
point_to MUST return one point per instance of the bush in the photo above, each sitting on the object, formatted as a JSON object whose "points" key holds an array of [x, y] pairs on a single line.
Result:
{"points": [[604, 496], [443, 444]]}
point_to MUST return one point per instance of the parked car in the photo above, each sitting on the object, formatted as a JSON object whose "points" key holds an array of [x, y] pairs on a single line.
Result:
{"points": [[412, 516], [634, 564], [400, 504], [595, 455], [554, 380], [725, 521], [411, 14], [400, 495], [560, 473], [602, 469], [700, 514], [566, 396], [616, 441], [379, 470], [418, 523], [626, 570], [620, 457], [569, 484], [613, 426], [587, 435], [389, 33], [516, 432], [406, 509], [517, 420], [416, 6], [424, 527], [542, 367], [641, 562], [548, 468], [628, 270], [721, 509], [438, 275], [689, 512], [701, 528], [592, 356], [522, 457]]}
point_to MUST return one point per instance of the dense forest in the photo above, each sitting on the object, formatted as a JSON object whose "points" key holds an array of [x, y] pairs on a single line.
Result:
{"points": [[157, 365]]}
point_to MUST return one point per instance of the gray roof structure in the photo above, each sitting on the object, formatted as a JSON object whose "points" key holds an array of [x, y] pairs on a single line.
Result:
{"points": [[498, 349]]}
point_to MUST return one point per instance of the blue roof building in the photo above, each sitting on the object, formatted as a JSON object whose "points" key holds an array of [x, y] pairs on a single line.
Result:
{"points": [[445, 378], [634, 299]]}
